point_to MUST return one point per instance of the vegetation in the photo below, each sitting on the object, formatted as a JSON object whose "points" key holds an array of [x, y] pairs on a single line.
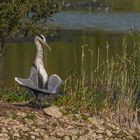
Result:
{"points": [[13, 94], [111, 89], [24, 16]]}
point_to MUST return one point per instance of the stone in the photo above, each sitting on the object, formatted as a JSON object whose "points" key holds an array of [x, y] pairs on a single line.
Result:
{"points": [[99, 137], [45, 137], [53, 111], [86, 137], [29, 122], [4, 130], [108, 132], [67, 138], [22, 114], [3, 136], [33, 137], [25, 129], [16, 135], [60, 132], [93, 120]]}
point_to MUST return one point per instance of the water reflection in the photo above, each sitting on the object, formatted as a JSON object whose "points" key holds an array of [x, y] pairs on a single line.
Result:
{"points": [[111, 5]]}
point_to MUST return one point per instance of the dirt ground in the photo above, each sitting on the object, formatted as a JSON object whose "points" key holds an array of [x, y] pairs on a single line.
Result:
{"points": [[21, 121], [8, 108]]}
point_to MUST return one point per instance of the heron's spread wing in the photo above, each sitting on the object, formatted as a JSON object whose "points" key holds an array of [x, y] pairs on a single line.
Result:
{"points": [[28, 84], [34, 81], [54, 83], [25, 82]]}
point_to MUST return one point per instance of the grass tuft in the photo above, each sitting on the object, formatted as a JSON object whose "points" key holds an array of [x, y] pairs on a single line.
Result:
{"points": [[13, 94]]}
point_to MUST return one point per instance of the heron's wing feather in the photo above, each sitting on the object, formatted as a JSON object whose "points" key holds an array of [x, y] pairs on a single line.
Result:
{"points": [[32, 80], [54, 83], [25, 82], [33, 77], [28, 84]]}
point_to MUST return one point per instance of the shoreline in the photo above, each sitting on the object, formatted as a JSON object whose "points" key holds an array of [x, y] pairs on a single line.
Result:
{"points": [[91, 5]]}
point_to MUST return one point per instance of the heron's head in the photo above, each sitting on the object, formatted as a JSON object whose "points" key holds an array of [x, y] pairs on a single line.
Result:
{"points": [[42, 39]]}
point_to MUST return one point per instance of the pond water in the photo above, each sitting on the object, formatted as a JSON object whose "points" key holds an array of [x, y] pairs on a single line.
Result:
{"points": [[114, 22], [76, 28]]}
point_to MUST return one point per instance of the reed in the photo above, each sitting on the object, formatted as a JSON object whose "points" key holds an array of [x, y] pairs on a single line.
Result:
{"points": [[111, 89]]}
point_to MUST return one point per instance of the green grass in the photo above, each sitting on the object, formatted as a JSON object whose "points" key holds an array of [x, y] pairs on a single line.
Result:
{"points": [[13, 94]]}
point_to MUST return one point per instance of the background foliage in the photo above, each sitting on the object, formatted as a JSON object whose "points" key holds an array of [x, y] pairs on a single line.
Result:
{"points": [[24, 16]]}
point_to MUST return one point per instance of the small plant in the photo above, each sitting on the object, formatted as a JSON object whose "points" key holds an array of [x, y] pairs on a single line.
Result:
{"points": [[14, 94], [14, 116], [30, 116]]}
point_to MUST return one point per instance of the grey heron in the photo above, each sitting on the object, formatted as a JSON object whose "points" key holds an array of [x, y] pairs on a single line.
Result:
{"points": [[38, 80]]}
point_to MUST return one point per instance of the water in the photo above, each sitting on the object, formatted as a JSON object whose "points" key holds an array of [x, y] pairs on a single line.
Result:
{"points": [[116, 22], [76, 28]]}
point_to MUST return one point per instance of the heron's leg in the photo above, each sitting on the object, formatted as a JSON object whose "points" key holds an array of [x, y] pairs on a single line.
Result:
{"points": [[36, 96], [40, 100], [31, 96]]}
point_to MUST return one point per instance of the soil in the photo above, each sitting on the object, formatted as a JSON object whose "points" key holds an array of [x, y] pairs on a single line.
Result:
{"points": [[21, 121], [8, 108]]}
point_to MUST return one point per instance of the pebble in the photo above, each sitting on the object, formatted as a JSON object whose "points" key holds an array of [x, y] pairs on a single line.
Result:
{"points": [[109, 134], [60, 127]]}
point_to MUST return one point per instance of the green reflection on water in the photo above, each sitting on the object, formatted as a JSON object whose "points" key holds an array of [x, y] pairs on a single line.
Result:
{"points": [[116, 5], [65, 54]]}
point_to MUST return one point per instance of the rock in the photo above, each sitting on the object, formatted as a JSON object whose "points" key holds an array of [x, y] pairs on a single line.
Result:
{"points": [[94, 121], [16, 135], [4, 130], [86, 137], [66, 138], [94, 135], [53, 111], [45, 137], [25, 129], [4, 136], [109, 134], [33, 137], [60, 132], [22, 114], [99, 137]]}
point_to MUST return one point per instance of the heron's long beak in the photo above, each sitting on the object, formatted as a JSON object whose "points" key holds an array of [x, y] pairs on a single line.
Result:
{"points": [[46, 44]]}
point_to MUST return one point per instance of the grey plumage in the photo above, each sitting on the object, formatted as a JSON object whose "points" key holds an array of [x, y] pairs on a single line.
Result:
{"points": [[38, 80]]}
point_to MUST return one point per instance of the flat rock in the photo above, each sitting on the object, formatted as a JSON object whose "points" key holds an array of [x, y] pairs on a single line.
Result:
{"points": [[93, 120], [53, 111], [109, 134]]}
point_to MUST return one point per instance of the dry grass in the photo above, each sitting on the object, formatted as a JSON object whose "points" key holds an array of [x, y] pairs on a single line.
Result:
{"points": [[111, 89]]}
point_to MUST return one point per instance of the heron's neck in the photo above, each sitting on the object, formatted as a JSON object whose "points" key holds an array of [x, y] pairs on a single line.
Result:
{"points": [[39, 55]]}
